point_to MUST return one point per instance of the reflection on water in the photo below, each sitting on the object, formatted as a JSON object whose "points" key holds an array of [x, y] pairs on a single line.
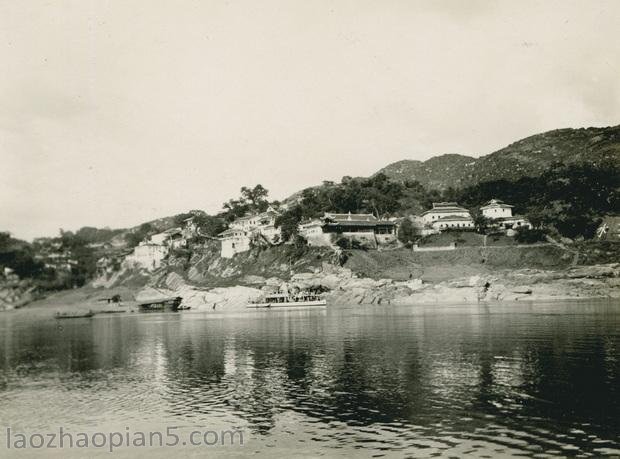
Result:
{"points": [[417, 381]]}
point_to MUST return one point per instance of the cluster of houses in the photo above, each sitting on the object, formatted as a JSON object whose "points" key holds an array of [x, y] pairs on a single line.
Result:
{"points": [[247, 230], [366, 229], [449, 215], [261, 228], [150, 252], [54, 255]]}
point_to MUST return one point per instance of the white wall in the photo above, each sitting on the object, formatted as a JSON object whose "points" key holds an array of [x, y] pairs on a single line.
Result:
{"points": [[497, 212], [148, 256], [431, 217], [442, 225], [235, 244]]}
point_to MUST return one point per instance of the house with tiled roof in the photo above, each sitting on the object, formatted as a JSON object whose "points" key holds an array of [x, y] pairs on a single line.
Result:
{"points": [[258, 227], [447, 215], [495, 209], [501, 216], [362, 227], [234, 240], [453, 222], [172, 238]]}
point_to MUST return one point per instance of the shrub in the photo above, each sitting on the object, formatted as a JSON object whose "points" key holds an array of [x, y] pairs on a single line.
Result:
{"points": [[406, 232], [529, 236], [298, 249], [346, 243]]}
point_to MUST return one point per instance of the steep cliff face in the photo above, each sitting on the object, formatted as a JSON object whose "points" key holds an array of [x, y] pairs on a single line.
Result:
{"points": [[528, 157], [203, 267]]}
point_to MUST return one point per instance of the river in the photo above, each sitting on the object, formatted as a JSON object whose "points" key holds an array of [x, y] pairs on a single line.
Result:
{"points": [[498, 380]]}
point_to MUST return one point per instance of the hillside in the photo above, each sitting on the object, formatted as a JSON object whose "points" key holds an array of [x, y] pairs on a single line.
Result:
{"points": [[527, 157], [437, 172]]}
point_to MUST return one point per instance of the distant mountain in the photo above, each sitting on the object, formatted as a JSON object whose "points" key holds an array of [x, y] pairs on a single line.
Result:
{"points": [[527, 157]]}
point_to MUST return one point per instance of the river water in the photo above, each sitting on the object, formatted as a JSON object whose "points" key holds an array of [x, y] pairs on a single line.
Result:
{"points": [[537, 380]]}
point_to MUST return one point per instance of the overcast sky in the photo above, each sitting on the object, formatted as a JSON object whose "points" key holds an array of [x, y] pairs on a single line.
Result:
{"points": [[113, 113]]}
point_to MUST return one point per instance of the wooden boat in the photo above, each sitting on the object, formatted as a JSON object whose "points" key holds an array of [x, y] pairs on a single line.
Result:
{"points": [[285, 300], [73, 314], [171, 303]]}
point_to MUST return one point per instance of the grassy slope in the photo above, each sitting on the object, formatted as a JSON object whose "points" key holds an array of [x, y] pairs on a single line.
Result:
{"points": [[467, 261]]}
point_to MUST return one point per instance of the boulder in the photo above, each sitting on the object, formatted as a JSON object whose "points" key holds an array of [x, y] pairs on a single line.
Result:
{"points": [[593, 272]]}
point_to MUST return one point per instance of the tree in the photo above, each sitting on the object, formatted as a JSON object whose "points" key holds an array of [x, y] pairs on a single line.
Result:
{"points": [[406, 232], [209, 225], [288, 222], [252, 200], [256, 197], [234, 208], [206, 224], [19, 256], [481, 223], [133, 238], [529, 236], [570, 199]]}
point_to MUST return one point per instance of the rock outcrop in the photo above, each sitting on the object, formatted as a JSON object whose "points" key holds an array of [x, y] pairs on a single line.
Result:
{"points": [[345, 287], [15, 293]]}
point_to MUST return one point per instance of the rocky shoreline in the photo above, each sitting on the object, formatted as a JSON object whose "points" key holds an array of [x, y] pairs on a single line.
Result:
{"points": [[344, 287]]}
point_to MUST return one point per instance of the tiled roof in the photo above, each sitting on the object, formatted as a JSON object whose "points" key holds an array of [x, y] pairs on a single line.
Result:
{"points": [[351, 217], [228, 232], [361, 223], [496, 203], [454, 218], [446, 209], [312, 223], [437, 205], [513, 218]]}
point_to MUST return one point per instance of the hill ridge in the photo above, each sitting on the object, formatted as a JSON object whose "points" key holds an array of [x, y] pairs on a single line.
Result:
{"points": [[529, 156]]}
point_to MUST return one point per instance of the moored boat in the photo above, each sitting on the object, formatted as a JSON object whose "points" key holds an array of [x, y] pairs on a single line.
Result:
{"points": [[172, 303], [287, 300], [73, 314]]}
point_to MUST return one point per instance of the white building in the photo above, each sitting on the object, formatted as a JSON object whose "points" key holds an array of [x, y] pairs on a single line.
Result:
{"points": [[243, 230], [310, 227], [501, 216], [362, 227], [453, 222], [263, 224], [444, 209], [150, 253], [147, 255], [172, 238], [190, 228], [496, 209], [420, 227], [513, 223], [447, 215], [234, 241]]}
